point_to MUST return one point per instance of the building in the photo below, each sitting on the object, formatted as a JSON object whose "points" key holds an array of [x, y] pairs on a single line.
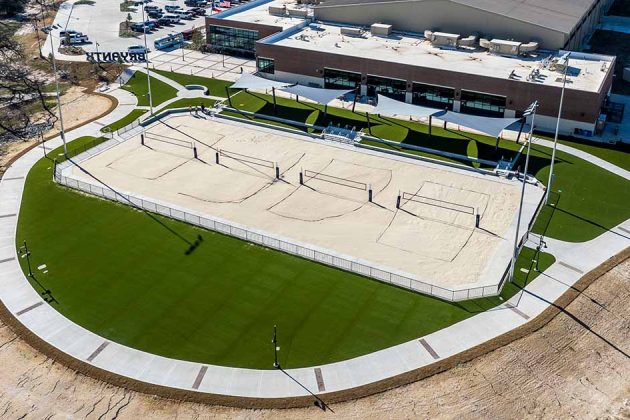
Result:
{"points": [[491, 77], [554, 24]]}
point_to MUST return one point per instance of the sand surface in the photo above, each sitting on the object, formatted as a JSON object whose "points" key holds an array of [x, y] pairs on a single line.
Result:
{"points": [[432, 236], [562, 370]]}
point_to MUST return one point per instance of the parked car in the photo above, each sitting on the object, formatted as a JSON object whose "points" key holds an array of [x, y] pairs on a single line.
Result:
{"points": [[74, 39], [172, 8], [163, 20], [172, 18], [195, 3], [155, 14], [183, 14], [69, 32], [137, 49], [46, 29], [197, 11], [138, 27]]}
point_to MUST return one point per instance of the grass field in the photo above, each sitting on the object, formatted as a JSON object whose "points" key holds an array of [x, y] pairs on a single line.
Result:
{"points": [[138, 86], [127, 119], [216, 87], [186, 102], [140, 280]]}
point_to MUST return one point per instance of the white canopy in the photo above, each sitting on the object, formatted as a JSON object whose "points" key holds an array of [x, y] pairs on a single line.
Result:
{"points": [[319, 95], [487, 125], [389, 106], [251, 81]]}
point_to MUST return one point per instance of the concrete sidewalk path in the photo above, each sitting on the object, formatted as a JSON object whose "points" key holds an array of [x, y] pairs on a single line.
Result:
{"points": [[25, 303]]}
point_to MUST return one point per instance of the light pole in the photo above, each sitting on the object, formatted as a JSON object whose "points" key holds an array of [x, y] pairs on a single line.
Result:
{"points": [[146, 60], [565, 59], [531, 110], [54, 63], [275, 349]]}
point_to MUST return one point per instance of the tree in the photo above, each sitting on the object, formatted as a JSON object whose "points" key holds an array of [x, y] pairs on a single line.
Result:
{"points": [[19, 85], [198, 39], [12, 7]]}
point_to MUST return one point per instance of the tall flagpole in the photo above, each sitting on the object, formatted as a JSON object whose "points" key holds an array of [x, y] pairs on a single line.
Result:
{"points": [[54, 63], [530, 111], [146, 60], [555, 139]]}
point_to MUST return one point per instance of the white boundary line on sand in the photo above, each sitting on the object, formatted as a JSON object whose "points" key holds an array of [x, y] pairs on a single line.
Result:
{"points": [[27, 306]]}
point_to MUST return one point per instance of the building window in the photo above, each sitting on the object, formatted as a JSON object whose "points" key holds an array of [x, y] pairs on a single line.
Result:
{"points": [[433, 96], [339, 79], [265, 65], [392, 88], [482, 104], [232, 40]]}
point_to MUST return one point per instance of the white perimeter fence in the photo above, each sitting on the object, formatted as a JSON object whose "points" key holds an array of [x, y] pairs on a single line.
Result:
{"points": [[318, 255]]}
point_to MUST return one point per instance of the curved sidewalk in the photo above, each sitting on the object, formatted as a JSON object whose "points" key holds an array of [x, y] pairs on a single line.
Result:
{"points": [[27, 306]]}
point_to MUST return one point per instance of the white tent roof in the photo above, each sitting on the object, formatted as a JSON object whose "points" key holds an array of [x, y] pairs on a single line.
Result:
{"points": [[319, 95], [251, 81], [389, 106], [487, 125]]}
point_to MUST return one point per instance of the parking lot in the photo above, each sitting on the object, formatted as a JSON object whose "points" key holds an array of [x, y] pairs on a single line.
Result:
{"points": [[200, 64], [101, 21]]}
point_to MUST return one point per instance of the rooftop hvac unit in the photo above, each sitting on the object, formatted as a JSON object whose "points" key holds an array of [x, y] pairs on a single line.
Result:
{"points": [[503, 47], [298, 12], [528, 48], [380, 29], [443, 39], [484, 43], [467, 42], [351, 31], [278, 10]]}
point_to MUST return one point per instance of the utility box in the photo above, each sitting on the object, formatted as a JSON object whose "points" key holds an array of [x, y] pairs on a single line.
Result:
{"points": [[503, 47], [298, 12], [444, 39], [350, 31], [381, 29], [278, 10]]}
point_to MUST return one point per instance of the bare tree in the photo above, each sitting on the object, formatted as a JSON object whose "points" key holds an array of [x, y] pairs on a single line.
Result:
{"points": [[20, 86]]}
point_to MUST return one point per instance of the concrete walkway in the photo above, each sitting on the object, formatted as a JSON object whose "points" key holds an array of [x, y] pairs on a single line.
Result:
{"points": [[573, 260]]}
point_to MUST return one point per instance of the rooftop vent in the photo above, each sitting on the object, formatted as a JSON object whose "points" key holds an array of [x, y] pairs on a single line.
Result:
{"points": [[442, 39], [503, 47], [381, 29], [350, 31], [298, 12], [278, 10]]}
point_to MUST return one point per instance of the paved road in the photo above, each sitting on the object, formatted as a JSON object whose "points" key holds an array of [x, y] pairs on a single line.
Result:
{"points": [[101, 21]]}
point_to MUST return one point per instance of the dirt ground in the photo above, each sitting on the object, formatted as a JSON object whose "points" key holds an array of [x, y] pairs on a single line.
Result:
{"points": [[576, 366], [80, 106]]}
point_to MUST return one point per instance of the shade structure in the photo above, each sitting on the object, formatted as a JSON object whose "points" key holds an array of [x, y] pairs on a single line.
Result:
{"points": [[487, 125], [389, 106], [251, 81], [319, 95]]}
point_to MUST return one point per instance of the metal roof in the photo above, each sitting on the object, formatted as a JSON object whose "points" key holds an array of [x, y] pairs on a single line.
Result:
{"points": [[559, 15]]}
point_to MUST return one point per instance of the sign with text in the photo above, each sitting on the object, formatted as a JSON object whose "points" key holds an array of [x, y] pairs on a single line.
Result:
{"points": [[115, 57]]}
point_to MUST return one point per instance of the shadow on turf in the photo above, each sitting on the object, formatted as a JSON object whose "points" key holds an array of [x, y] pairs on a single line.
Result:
{"points": [[192, 246]]}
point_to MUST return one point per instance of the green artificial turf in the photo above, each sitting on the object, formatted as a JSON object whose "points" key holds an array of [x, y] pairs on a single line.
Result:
{"points": [[127, 119], [186, 102], [160, 90], [618, 154], [216, 87], [585, 200], [172, 289]]}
